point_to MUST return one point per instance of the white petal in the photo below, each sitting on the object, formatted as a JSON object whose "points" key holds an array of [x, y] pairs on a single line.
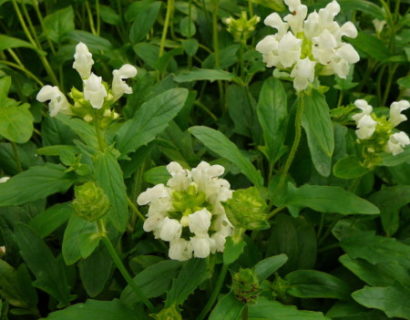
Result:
{"points": [[364, 106], [157, 192], [83, 60], [366, 127], [275, 21], [170, 230], [395, 112], [200, 221], [289, 50], [292, 4], [4, 179], [119, 86], [397, 142], [349, 30], [58, 101], [94, 91], [347, 52], [303, 74], [201, 246], [180, 249]]}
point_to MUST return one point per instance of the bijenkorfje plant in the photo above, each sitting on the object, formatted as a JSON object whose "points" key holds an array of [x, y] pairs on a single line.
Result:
{"points": [[188, 211], [95, 102], [307, 46]]}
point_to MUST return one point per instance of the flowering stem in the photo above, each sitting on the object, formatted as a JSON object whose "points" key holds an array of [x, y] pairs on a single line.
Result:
{"points": [[135, 209], [298, 134], [215, 293], [120, 266], [170, 10]]}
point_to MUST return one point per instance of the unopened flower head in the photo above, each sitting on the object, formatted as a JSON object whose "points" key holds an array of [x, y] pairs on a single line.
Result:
{"points": [[378, 132], [58, 102], [242, 28], [187, 211], [308, 45]]}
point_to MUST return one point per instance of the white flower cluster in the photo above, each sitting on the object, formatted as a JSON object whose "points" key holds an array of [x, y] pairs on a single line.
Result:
{"points": [[187, 211], [93, 88], [308, 44], [367, 124]]}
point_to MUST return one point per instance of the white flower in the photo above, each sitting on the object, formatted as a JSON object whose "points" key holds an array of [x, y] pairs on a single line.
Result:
{"points": [[316, 37], [58, 101], [201, 246], [94, 91], [119, 86], [396, 108], [379, 25], [4, 179], [397, 142], [83, 60], [180, 249], [303, 74], [200, 221], [366, 125], [188, 210]]}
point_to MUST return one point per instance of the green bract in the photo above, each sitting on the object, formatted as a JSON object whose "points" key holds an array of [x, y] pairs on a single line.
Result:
{"points": [[90, 202]]}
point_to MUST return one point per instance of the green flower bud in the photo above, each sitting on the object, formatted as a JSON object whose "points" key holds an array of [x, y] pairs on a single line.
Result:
{"points": [[247, 209], [170, 313], [242, 28], [245, 285], [90, 203]]}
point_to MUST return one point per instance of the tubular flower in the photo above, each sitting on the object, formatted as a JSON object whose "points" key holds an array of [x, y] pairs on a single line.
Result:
{"points": [[187, 212], [311, 41], [380, 129], [94, 91], [119, 86], [83, 60], [58, 101]]}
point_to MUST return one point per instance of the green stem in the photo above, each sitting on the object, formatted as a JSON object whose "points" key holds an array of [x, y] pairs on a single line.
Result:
{"points": [[298, 134], [16, 156], [97, 13], [40, 18], [275, 212], [206, 109], [245, 312], [135, 209], [100, 136], [390, 74], [90, 18], [22, 68], [215, 293], [121, 268], [170, 10], [30, 23]]}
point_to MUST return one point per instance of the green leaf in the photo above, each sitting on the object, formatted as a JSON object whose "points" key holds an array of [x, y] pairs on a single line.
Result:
{"points": [[227, 308], [390, 200], [329, 199], [363, 6], [392, 300], [157, 175], [109, 177], [59, 23], [349, 168], [49, 220], [276, 5], [150, 120], [240, 109], [187, 27], [316, 284], [233, 250], [15, 286], [272, 112], [268, 266], [109, 15], [36, 183], [94, 309], [81, 238], [190, 46], [85, 131], [5, 84], [7, 42], [153, 281], [217, 142], [93, 42], [370, 46], [404, 82], [203, 75], [319, 131], [192, 274], [144, 19], [265, 309], [16, 121], [50, 272]]}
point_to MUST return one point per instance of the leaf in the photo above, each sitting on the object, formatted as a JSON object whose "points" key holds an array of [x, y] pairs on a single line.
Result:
{"points": [[85, 131], [157, 175], [59, 23], [370, 46], [319, 131], [329, 199], [349, 168], [217, 142], [187, 27], [49, 220], [93, 42], [80, 239], [7, 42], [273, 310], [109, 15], [316, 284], [240, 109], [192, 274], [363, 6], [202, 75], [392, 300], [36, 183], [94, 309], [268, 266], [50, 272], [390, 200], [233, 250], [227, 308], [109, 177], [272, 112], [16, 121], [150, 120], [144, 19]]}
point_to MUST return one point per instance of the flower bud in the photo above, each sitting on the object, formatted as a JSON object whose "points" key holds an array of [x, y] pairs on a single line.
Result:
{"points": [[90, 203], [247, 209], [245, 285]]}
